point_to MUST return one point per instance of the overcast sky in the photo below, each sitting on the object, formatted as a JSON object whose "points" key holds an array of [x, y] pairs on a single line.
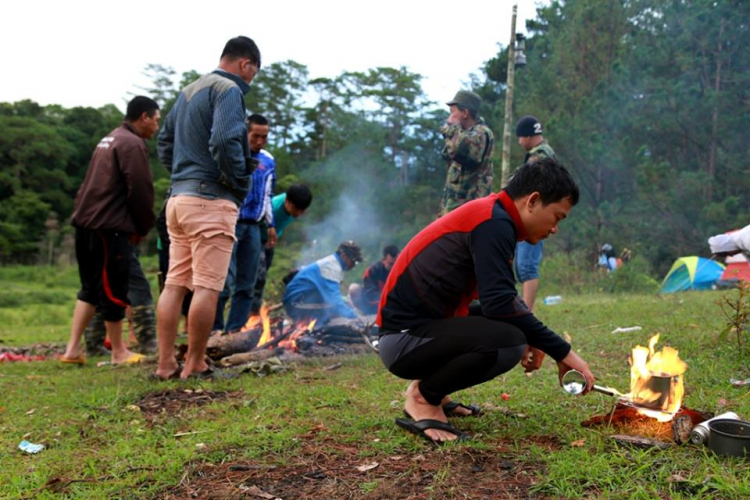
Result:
{"points": [[86, 53]]}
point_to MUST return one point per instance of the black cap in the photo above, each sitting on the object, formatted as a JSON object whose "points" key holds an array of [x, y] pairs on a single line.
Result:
{"points": [[528, 126], [351, 250]]}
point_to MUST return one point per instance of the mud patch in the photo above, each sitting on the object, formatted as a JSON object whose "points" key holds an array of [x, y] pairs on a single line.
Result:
{"points": [[168, 403], [314, 473]]}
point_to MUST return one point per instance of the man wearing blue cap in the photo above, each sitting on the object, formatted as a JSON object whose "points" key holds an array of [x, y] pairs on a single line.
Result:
{"points": [[529, 256]]}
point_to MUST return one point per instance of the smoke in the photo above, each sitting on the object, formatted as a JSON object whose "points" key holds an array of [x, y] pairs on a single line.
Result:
{"points": [[348, 196]]}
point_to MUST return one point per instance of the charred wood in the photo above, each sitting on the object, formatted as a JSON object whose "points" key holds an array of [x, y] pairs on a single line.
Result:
{"points": [[221, 346]]}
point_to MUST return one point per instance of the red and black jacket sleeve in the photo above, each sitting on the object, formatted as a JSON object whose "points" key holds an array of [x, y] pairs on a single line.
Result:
{"points": [[493, 246]]}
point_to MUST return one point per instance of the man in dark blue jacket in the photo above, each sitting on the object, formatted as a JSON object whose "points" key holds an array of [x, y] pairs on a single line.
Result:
{"points": [[204, 145]]}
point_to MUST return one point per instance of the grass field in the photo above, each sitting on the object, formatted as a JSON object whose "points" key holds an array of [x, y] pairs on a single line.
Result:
{"points": [[113, 433]]}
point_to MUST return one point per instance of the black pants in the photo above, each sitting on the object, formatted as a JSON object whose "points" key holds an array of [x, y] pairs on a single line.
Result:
{"points": [[104, 268], [451, 354], [266, 259]]}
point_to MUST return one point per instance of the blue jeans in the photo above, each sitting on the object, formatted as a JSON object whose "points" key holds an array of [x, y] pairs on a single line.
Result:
{"points": [[243, 269], [527, 261]]}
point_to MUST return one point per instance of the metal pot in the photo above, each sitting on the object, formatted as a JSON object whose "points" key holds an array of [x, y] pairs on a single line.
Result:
{"points": [[657, 392], [729, 437]]}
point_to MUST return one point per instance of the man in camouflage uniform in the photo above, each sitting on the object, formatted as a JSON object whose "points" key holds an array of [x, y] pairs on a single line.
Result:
{"points": [[529, 257], [468, 151]]}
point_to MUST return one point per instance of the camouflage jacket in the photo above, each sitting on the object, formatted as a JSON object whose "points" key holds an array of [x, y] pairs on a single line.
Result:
{"points": [[469, 156], [542, 150]]}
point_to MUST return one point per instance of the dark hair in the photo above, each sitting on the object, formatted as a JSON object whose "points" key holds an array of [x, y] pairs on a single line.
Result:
{"points": [[299, 195], [391, 250], [256, 119], [546, 176], [472, 112], [242, 46], [138, 105]]}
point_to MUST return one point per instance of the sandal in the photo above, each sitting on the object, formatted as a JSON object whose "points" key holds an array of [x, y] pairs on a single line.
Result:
{"points": [[449, 408], [80, 360], [420, 426]]}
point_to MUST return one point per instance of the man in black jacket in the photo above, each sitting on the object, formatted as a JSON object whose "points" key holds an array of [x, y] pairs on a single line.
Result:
{"points": [[431, 336]]}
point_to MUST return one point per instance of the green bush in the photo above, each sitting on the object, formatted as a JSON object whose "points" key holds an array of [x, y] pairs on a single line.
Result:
{"points": [[575, 273], [635, 277]]}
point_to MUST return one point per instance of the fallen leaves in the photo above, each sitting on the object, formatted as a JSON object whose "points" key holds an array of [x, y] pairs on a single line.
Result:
{"points": [[368, 466], [578, 443]]}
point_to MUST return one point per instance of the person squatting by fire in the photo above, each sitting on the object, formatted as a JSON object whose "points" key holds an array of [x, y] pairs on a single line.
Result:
{"points": [[366, 297], [432, 335], [314, 291]]}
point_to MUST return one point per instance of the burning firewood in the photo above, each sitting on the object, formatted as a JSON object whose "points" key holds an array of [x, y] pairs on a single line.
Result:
{"points": [[220, 346]]}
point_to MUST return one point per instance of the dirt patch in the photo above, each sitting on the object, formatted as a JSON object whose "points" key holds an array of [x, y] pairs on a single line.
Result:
{"points": [[314, 473], [156, 406]]}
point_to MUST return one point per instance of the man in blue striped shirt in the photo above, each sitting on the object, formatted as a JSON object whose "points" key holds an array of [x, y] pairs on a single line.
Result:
{"points": [[204, 145], [256, 209]]}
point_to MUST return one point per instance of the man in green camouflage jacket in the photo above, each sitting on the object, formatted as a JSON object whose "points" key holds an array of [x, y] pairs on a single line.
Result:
{"points": [[468, 150]]}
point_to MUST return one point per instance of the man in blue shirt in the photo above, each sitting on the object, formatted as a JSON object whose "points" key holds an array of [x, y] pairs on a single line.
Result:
{"points": [[204, 146], [255, 210], [286, 207], [314, 292]]}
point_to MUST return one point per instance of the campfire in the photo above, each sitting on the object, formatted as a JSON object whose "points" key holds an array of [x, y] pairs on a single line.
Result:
{"points": [[656, 381], [268, 334], [653, 407]]}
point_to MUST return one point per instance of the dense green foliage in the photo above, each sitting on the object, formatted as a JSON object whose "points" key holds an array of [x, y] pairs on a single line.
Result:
{"points": [[643, 100]]}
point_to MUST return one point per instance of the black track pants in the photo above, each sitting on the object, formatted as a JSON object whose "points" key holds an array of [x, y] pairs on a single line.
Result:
{"points": [[451, 354]]}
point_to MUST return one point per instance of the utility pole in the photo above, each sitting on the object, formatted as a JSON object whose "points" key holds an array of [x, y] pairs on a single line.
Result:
{"points": [[509, 100]]}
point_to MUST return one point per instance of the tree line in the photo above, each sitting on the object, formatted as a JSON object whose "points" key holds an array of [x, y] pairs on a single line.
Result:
{"points": [[645, 101]]}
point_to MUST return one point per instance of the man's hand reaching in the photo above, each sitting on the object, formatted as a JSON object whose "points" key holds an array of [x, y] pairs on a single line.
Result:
{"points": [[574, 362]]}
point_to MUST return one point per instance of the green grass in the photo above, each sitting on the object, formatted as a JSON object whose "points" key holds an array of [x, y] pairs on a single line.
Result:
{"points": [[96, 438]]}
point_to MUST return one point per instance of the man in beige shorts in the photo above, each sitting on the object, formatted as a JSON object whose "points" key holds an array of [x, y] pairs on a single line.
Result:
{"points": [[204, 145]]}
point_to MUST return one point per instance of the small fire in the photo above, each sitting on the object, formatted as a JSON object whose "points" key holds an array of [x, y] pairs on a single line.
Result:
{"points": [[656, 380], [266, 320], [253, 322], [299, 330]]}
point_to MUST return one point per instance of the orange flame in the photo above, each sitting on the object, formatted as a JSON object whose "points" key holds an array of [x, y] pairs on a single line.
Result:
{"points": [[656, 380], [299, 330], [266, 320]]}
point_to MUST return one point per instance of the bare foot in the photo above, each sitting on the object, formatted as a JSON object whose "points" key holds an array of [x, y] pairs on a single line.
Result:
{"points": [[73, 351], [121, 356], [457, 411], [189, 369], [166, 371], [419, 409]]}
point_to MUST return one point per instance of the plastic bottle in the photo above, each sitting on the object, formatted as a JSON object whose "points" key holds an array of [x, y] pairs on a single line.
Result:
{"points": [[551, 300], [699, 434]]}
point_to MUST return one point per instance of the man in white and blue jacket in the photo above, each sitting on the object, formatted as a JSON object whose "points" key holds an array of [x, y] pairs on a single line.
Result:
{"points": [[315, 293], [204, 145], [256, 209]]}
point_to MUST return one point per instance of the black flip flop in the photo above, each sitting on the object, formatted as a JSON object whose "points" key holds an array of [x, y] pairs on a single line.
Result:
{"points": [[449, 407], [418, 427], [172, 376]]}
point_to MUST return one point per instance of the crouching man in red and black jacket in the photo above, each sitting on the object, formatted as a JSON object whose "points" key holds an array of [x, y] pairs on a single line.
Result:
{"points": [[431, 336]]}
